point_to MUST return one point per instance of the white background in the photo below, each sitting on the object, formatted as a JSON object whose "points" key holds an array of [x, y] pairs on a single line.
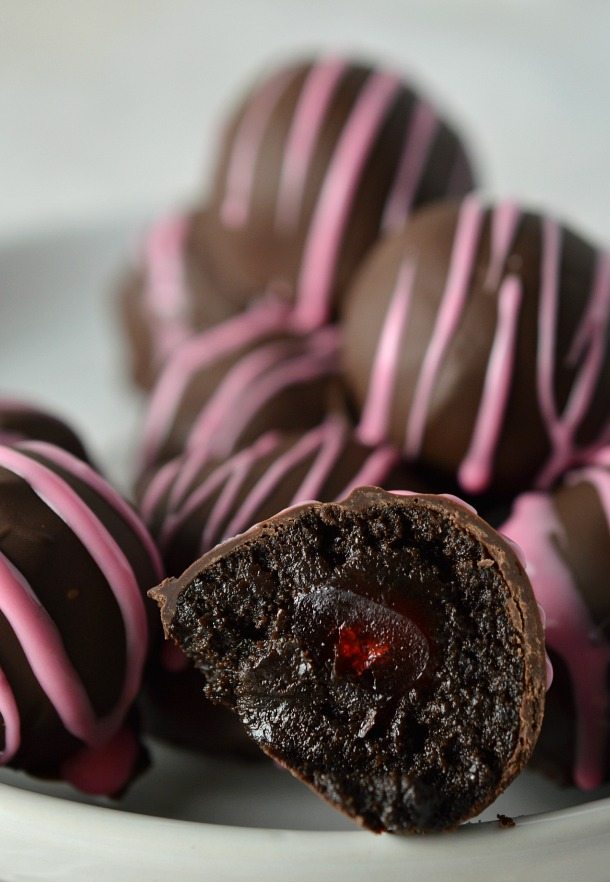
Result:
{"points": [[110, 107]]}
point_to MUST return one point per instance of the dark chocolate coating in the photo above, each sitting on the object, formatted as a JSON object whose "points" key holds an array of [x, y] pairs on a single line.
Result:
{"points": [[387, 650], [20, 421], [223, 397], [145, 324], [43, 542], [257, 236], [505, 325]]}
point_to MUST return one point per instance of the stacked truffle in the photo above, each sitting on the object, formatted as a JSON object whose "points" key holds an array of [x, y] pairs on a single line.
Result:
{"points": [[341, 313], [340, 319], [75, 563]]}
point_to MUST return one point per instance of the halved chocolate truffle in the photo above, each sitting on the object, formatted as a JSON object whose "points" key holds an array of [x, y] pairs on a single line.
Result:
{"points": [[75, 561], [387, 650], [477, 340]]}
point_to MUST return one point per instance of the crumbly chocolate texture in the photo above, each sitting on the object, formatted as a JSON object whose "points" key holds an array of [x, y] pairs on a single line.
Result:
{"points": [[470, 343], [387, 650]]}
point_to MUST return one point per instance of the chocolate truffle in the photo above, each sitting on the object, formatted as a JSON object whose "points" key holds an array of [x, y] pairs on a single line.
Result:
{"points": [[387, 650], [75, 562], [167, 295], [224, 387], [565, 537], [317, 161], [191, 507], [319, 158], [476, 339], [22, 421]]}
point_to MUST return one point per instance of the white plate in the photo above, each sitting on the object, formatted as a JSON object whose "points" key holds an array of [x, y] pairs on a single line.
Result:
{"points": [[190, 817]]}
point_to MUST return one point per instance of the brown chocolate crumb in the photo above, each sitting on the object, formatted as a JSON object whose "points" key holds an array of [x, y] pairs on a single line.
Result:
{"points": [[505, 821]]}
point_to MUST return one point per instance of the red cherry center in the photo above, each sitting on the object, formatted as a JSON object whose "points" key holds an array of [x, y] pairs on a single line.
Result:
{"points": [[357, 652]]}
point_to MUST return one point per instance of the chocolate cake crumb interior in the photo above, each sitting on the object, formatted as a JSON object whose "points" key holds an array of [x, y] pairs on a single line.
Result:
{"points": [[398, 744]]}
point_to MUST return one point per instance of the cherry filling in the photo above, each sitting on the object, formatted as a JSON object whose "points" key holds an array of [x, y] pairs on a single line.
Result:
{"points": [[364, 639], [357, 652]]}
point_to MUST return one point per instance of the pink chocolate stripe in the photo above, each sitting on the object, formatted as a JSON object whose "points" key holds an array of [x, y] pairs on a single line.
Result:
{"points": [[333, 442], [9, 716], [475, 471], [374, 471], [338, 191], [247, 144], [87, 475], [158, 487], [504, 223], [164, 294], [108, 556], [309, 115], [420, 134], [449, 316], [591, 336], [535, 527], [375, 419], [197, 354], [304, 447], [43, 647]]}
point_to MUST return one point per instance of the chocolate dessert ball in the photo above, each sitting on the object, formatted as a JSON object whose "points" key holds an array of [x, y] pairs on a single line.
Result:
{"points": [[387, 650], [224, 387], [319, 158], [476, 339], [22, 421], [191, 507], [75, 562], [565, 537], [165, 298]]}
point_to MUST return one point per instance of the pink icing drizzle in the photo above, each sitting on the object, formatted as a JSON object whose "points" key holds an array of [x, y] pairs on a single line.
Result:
{"points": [[252, 382], [374, 422], [9, 712], [164, 292], [535, 526], [450, 311], [309, 115], [103, 769], [246, 147], [85, 473], [474, 473], [110, 559], [184, 504], [420, 134], [590, 335], [43, 647], [196, 355], [337, 194]]}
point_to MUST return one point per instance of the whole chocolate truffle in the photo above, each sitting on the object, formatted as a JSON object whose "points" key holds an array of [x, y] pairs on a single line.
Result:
{"points": [[167, 295], [565, 537], [476, 340], [387, 650], [226, 386], [191, 507], [321, 157], [318, 160], [75, 562], [22, 421]]}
